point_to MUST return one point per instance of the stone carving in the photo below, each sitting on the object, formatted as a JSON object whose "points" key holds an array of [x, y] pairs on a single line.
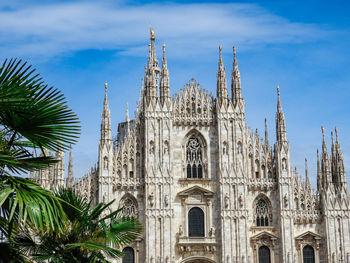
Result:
{"points": [[151, 199], [227, 200], [180, 230], [285, 199], [166, 200], [240, 200]]}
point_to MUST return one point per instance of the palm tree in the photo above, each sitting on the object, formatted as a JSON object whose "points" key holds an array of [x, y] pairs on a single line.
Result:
{"points": [[92, 234], [35, 117]]}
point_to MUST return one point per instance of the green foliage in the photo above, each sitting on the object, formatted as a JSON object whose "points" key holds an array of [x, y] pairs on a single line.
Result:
{"points": [[91, 235], [33, 117]]}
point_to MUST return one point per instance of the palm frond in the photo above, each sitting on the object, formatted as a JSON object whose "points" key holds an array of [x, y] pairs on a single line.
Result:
{"points": [[34, 110]]}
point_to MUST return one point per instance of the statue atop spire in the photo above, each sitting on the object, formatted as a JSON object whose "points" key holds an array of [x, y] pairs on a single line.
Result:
{"points": [[153, 35]]}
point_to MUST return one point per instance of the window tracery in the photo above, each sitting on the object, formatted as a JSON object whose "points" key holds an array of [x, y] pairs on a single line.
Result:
{"points": [[194, 158], [129, 207], [262, 213]]}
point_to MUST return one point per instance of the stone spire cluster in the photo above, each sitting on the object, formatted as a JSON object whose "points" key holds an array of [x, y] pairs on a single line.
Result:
{"points": [[331, 172]]}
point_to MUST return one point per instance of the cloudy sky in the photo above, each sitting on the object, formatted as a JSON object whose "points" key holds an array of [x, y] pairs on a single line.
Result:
{"points": [[304, 46]]}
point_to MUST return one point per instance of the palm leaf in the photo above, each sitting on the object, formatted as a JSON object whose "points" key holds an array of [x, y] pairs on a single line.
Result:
{"points": [[31, 108]]}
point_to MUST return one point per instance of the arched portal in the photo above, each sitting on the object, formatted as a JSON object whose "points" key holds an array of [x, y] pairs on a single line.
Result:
{"points": [[308, 254], [264, 255]]}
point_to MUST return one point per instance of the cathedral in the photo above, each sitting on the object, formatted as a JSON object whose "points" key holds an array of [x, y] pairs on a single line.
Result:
{"points": [[206, 187]]}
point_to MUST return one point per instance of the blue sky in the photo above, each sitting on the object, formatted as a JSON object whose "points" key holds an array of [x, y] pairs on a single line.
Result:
{"points": [[304, 46]]}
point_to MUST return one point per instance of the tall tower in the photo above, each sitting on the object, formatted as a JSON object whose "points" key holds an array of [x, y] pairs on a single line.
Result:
{"points": [[231, 168], [284, 180], [105, 153], [157, 118]]}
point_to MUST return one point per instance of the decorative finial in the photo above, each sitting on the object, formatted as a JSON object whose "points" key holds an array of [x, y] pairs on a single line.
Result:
{"points": [[220, 49], [266, 133], [163, 49], [234, 51], [127, 113], [322, 128], [332, 137], [279, 104], [106, 86], [153, 36]]}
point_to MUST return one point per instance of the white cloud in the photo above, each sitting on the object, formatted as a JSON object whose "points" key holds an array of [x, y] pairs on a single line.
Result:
{"points": [[191, 28]]}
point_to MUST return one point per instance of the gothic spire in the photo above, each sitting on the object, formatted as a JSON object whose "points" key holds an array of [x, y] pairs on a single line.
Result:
{"points": [[106, 118], [221, 87], [266, 134], [127, 113], [152, 70], [339, 160], [70, 179], [319, 174], [235, 80], [281, 133], [164, 79], [325, 163], [307, 180]]}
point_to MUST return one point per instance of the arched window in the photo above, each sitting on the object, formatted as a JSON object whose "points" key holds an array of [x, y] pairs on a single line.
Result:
{"points": [[262, 213], [264, 254], [308, 254], [196, 222], [129, 256], [129, 207], [194, 158]]}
